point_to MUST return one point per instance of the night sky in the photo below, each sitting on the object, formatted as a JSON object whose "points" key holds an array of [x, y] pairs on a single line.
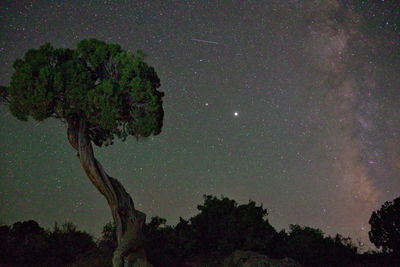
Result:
{"points": [[293, 104]]}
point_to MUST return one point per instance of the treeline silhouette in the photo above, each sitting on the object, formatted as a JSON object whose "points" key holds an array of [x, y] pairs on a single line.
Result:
{"points": [[220, 228]]}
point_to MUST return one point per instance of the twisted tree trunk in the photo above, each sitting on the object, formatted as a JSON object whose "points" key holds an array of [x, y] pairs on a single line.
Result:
{"points": [[128, 220]]}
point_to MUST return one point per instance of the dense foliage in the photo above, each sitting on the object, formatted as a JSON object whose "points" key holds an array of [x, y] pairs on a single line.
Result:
{"points": [[385, 227], [27, 244], [114, 90], [224, 226], [221, 227], [311, 247]]}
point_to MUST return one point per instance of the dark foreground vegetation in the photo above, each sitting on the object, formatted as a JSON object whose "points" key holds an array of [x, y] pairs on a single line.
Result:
{"points": [[220, 228]]}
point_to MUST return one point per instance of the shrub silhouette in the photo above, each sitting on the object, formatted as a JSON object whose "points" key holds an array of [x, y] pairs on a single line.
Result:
{"points": [[221, 227], [28, 244], [385, 227], [309, 246]]}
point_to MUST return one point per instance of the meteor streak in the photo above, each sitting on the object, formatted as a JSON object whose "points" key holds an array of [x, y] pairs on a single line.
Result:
{"points": [[204, 41]]}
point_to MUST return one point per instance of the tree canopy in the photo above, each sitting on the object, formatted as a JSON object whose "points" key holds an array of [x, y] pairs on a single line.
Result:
{"points": [[385, 227], [310, 246], [223, 226], [115, 91]]}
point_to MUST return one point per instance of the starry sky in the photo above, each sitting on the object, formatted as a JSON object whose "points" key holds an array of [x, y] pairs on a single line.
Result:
{"points": [[291, 103]]}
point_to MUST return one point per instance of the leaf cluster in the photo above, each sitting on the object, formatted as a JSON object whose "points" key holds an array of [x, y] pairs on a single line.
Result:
{"points": [[115, 91]]}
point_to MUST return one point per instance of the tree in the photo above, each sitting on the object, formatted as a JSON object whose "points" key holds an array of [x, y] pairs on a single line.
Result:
{"points": [[108, 240], [100, 92], [311, 247], [223, 226], [23, 244], [28, 244], [385, 227], [67, 244]]}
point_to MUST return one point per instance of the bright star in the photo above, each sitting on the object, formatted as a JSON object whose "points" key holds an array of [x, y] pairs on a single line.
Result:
{"points": [[236, 113]]}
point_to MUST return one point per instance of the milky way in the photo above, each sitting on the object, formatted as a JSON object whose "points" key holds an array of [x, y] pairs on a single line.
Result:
{"points": [[354, 125]]}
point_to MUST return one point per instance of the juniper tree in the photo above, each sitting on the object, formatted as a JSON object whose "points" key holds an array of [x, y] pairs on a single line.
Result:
{"points": [[101, 92]]}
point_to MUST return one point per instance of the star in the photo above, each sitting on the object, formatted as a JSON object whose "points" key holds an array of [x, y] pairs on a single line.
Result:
{"points": [[235, 113]]}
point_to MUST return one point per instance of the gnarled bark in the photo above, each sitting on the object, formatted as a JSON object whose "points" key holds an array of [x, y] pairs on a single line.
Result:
{"points": [[128, 220]]}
